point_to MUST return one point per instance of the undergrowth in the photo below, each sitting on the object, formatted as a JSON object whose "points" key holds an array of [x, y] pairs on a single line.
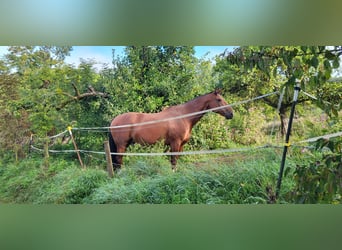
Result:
{"points": [[216, 180]]}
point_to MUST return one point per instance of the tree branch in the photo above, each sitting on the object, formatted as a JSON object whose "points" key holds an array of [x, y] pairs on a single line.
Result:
{"points": [[79, 96], [77, 92]]}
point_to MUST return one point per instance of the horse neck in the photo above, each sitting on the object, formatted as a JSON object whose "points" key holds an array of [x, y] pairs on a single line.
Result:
{"points": [[198, 104]]}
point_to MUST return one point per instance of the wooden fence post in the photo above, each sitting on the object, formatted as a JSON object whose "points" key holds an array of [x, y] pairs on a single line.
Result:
{"points": [[76, 149], [46, 154], [109, 159]]}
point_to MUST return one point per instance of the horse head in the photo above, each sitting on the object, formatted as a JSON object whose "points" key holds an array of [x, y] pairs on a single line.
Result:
{"points": [[217, 101]]}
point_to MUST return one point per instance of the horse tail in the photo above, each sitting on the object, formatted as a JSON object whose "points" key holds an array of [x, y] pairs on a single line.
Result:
{"points": [[113, 149]]}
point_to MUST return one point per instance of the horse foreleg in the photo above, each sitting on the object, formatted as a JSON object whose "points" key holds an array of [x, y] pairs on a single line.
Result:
{"points": [[174, 159], [175, 147]]}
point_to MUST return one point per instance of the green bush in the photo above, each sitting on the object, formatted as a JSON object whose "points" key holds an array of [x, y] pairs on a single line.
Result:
{"points": [[19, 180], [63, 182], [71, 186], [320, 180]]}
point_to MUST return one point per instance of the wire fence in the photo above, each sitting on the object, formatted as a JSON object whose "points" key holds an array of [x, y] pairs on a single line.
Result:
{"points": [[200, 152], [151, 123], [180, 116]]}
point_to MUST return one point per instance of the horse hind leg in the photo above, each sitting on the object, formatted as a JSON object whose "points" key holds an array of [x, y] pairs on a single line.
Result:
{"points": [[116, 159], [119, 158], [175, 147], [113, 149]]}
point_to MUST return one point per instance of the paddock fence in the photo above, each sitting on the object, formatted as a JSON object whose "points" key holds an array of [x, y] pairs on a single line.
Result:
{"points": [[106, 152]]}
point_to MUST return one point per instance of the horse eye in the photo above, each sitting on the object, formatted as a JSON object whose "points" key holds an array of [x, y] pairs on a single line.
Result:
{"points": [[219, 100]]}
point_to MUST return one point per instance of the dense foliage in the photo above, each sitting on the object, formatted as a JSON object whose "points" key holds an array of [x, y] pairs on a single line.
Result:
{"points": [[40, 95], [320, 181], [250, 70]]}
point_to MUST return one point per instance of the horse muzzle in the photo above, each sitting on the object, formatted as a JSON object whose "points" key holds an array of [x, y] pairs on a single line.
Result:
{"points": [[229, 115]]}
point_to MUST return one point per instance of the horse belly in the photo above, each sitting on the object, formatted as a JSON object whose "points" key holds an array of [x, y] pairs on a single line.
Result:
{"points": [[143, 135]]}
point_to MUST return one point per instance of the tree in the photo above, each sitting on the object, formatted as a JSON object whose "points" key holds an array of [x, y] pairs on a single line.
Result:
{"points": [[38, 70], [148, 78], [14, 126], [264, 69], [43, 95]]}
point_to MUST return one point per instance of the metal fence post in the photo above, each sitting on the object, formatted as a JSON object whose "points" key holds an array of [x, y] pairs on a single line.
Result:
{"points": [[287, 138]]}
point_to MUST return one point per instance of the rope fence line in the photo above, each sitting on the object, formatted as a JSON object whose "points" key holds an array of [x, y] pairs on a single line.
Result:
{"points": [[58, 135], [216, 151], [150, 123], [101, 129], [180, 116], [322, 137], [309, 95]]}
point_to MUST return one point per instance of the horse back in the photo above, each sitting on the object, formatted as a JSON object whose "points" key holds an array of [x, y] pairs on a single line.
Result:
{"points": [[143, 130]]}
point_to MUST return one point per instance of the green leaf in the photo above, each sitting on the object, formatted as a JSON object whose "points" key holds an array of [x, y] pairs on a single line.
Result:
{"points": [[261, 65], [313, 49], [335, 112], [286, 59], [291, 80], [327, 74], [275, 72], [329, 55], [287, 171], [314, 62], [297, 73], [304, 48], [327, 64], [336, 63], [321, 48]]}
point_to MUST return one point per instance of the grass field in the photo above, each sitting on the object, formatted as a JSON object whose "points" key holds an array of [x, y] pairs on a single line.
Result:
{"points": [[245, 177]]}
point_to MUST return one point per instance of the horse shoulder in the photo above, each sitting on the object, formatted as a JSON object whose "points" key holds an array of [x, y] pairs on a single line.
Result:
{"points": [[178, 127]]}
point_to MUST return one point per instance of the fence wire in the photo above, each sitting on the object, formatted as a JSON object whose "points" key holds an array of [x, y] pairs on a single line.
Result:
{"points": [[178, 117], [217, 151]]}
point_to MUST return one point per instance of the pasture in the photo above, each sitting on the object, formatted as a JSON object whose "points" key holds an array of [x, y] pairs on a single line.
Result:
{"points": [[36, 166], [220, 179], [248, 176]]}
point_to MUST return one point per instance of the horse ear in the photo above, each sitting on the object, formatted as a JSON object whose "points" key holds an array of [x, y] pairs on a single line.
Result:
{"points": [[217, 91]]}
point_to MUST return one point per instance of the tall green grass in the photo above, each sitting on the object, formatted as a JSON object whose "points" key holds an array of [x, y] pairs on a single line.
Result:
{"points": [[143, 180], [234, 178], [212, 182], [63, 182]]}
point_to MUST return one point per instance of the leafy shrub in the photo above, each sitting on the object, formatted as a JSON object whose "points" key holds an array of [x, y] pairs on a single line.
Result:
{"points": [[246, 127], [212, 132], [71, 186], [18, 180], [320, 181]]}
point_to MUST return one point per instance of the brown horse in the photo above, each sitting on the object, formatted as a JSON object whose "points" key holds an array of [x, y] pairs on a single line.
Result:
{"points": [[146, 129]]}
